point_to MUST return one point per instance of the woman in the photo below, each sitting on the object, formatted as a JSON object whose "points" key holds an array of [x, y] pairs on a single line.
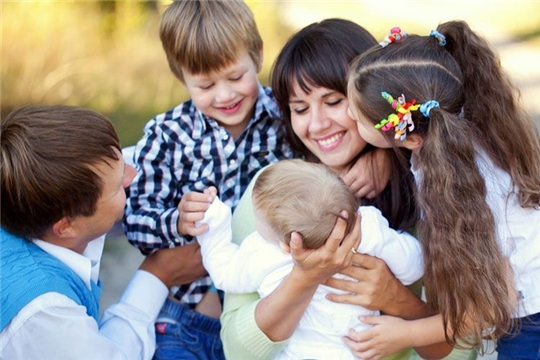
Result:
{"points": [[309, 81]]}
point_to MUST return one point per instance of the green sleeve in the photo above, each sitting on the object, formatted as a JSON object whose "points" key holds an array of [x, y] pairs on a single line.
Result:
{"points": [[242, 339]]}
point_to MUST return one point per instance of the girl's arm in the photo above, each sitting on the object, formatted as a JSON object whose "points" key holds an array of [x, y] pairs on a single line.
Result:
{"points": [[390, 334], [378, 289], [368, 183]]}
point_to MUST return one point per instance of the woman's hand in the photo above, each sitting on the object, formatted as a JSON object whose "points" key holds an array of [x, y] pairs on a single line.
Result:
{"points": [[388, 335], [376, 287], [278, 314], [335, 255]]}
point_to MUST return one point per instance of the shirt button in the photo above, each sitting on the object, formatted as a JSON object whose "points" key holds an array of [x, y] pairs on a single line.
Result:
{"points": [[232, 162]]}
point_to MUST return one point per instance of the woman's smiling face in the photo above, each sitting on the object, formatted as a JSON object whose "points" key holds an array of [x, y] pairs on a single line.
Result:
{"points": [[321, 122]]}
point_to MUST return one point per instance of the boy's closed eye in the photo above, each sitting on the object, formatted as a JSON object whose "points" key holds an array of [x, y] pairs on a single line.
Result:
{"points": [[206, 86], [236, 78]]}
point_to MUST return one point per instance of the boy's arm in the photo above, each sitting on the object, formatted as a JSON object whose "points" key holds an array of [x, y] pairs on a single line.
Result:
{"points": [[400, 251], [151, 214]]}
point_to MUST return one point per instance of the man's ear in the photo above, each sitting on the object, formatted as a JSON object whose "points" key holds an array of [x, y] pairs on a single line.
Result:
{"points": [[261, 60], [413, 142], [64, 228]]}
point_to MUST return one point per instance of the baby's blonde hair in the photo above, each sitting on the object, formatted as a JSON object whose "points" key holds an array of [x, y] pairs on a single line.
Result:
{"points": [[203, 36], [294, 195]]}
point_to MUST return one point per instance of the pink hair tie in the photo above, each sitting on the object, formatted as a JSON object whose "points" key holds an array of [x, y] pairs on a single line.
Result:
{"points": [[395, 36]]}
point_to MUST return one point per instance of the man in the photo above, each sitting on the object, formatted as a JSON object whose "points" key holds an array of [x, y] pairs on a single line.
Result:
{"points": [[62, 183]]}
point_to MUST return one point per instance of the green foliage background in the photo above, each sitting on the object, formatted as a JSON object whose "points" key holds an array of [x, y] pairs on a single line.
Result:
{"points": [[106, 55]]}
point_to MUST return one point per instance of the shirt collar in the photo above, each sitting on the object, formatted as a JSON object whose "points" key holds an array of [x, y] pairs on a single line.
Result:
{"points": [[86, 266]]}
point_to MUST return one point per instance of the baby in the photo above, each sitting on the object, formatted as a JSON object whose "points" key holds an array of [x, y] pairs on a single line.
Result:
{"points": [[307, 198]]}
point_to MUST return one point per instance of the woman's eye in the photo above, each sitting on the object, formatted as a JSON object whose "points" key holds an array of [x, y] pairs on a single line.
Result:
{"points": [[300, 111], [334, 102]]}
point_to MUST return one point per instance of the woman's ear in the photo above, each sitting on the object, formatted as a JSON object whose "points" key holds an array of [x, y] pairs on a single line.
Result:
{"points": [[413, 142]]}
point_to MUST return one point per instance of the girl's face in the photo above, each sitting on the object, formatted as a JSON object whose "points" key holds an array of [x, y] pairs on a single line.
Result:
{"points": [[321, 122], [367, 130]]}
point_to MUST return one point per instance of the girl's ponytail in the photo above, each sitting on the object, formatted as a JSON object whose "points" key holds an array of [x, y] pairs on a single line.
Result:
{"points": [[492, 106], [456, 232]]}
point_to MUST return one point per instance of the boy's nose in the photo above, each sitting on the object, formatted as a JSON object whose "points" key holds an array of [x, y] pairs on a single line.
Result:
{"points": [[224, 94]]}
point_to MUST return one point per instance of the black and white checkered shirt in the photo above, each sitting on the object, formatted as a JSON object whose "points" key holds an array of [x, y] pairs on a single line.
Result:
{"points": [[182, 150]]}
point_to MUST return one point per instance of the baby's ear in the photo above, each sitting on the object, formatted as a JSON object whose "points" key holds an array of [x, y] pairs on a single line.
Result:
{"points": [[284, 247]]}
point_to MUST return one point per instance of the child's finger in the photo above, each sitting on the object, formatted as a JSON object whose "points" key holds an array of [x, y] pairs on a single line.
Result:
{"points": [[191, 217], [197, 230], [194, 196], [193, 206]]}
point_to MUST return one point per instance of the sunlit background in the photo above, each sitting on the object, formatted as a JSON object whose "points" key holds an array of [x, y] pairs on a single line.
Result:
{"points": [[106, 55]]}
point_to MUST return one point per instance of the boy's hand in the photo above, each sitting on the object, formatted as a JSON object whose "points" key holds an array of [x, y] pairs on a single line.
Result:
{"points": [[191, 209], [370, 174]]}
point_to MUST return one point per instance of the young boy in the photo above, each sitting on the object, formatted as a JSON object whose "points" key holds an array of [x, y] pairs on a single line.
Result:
{"points": [[307, 198], [221, 137], [62, 183]]}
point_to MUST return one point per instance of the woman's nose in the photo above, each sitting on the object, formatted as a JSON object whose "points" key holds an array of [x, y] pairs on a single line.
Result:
{"points": [[318, 120]]}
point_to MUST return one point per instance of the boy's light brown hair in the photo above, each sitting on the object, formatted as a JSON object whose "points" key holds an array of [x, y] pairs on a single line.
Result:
{"points": [[294, 195], [203, 36], [48, 154]]}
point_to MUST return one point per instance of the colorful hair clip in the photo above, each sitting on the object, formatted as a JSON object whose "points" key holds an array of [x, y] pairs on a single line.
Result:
{"points": [[440, 37], [401, 118], [395, 36], [426, 107]]}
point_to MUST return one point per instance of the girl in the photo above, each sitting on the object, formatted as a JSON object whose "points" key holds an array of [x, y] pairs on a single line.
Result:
{"points": [[476, 160]]}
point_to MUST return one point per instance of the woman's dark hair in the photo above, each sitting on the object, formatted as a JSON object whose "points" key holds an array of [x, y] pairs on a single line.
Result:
{"points": [[319, 56]]}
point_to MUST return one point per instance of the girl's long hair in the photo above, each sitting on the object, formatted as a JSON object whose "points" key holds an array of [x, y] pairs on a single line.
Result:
{"points": [[466, 274]]}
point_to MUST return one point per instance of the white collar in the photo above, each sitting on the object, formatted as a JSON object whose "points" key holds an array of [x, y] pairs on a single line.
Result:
{"points": [[86, 266]]}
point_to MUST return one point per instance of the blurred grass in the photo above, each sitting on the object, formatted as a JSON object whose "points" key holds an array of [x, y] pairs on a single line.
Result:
{"points": [[107, 55]]}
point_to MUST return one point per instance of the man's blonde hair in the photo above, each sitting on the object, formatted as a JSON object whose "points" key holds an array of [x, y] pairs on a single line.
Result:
{"points": [[294, 195], [203, 36]]}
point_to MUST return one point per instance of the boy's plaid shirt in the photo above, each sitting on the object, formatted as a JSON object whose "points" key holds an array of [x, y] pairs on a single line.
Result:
{"points": [[182, 150]]}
